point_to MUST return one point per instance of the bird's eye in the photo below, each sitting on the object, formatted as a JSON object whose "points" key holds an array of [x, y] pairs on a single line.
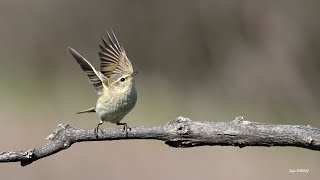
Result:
{"points": [[122, 79]]}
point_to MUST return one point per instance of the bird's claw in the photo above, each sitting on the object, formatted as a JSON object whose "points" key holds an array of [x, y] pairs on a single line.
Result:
{"points": [[97, 129]]}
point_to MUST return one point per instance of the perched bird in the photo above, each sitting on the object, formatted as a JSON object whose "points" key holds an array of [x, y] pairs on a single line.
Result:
{"points": [[114, 83]]}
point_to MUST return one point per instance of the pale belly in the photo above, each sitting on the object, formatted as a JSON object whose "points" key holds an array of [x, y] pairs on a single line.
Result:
{"points": [[114, 109]]}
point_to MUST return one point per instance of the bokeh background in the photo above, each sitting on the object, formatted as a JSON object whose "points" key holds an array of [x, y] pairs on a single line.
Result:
{"points": [[206, 60]]}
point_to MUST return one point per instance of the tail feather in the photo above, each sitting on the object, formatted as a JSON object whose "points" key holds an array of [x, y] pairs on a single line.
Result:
{"points": [[87, 111]]}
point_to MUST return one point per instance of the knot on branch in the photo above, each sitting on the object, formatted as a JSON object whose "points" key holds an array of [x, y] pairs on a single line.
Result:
{"points": [[241, 120], [29, 153], [179, 119], [60, 134], [180, 126], [310, 140], [180, 129]]}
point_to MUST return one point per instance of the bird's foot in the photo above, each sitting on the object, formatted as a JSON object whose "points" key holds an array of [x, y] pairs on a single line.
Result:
{"points": [[125, 128], [97, 129]]}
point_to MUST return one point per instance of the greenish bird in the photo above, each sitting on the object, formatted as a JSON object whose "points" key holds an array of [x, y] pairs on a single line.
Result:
{"points": [[114, 83]]}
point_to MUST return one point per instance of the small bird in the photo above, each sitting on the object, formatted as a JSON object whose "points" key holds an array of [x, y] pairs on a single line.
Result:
{"points": [[114, 83]]}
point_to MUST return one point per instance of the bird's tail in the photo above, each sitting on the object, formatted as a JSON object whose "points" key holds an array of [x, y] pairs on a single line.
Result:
{"points": [[87, 111]]}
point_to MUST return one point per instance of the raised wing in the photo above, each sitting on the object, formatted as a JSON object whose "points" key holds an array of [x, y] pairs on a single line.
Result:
{"points": [[95, 77], [113, 58]]}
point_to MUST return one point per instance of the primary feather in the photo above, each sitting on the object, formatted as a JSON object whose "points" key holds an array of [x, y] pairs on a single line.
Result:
{"points": [[95, 77], [114, 60]]}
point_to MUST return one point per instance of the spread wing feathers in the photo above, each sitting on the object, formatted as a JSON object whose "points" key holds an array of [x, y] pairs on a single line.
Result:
{"points": [[113, 57], [95, 77]]}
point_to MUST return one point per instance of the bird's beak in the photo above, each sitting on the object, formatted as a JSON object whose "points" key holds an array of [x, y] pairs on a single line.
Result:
{"points": [[134, 73]]}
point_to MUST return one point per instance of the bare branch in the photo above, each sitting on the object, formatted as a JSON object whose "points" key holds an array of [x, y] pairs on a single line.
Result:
{"points": [[181, 132]]}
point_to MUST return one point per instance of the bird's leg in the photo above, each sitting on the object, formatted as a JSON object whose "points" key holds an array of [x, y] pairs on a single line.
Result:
{"points": [[125, 127], [97, 128]]}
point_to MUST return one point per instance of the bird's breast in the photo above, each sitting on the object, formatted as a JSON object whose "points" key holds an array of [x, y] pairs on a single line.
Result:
{"points": [[112, 107]]}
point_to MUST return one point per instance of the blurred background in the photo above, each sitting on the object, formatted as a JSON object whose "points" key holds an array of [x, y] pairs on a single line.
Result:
{"points": [[206, 60]]}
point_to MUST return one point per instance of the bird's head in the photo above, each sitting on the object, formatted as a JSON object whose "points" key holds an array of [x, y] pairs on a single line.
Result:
{"points": [[122, 82]]}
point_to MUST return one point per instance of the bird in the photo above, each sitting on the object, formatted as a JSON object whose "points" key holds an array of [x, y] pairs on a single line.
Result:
{"points": [[114, 83]]}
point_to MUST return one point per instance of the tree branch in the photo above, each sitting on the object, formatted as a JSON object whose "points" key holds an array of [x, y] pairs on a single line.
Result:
{"points": [[181, 132]]}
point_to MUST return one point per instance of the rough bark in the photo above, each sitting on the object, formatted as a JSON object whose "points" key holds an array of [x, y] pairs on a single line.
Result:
{"points": [[182, 133]]}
